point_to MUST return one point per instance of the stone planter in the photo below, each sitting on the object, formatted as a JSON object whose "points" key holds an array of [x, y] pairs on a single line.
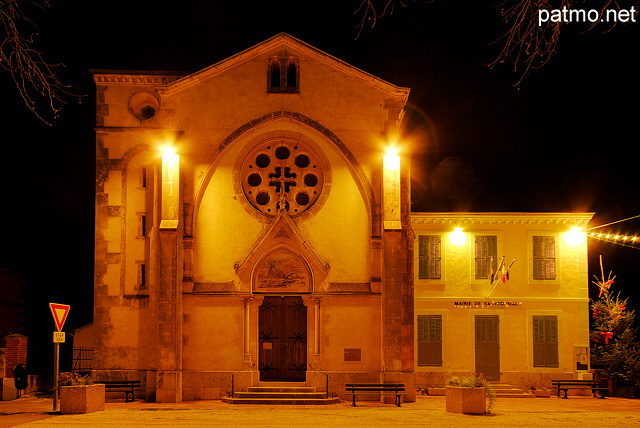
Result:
{"points": [[82, 398], [436, 391], [466, 400], [541, 394]]}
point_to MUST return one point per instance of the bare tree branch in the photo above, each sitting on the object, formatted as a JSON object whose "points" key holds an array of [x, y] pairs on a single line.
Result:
{"points": [[35, 78], [526, 44], [529, 45], [372, 10]]}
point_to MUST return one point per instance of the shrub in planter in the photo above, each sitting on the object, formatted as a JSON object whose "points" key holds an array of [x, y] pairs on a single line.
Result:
{"points": [[78, 394], [468, 394], [540, 392]]}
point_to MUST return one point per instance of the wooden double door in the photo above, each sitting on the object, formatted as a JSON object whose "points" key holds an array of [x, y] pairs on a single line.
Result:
{"points": [[282, 327], [488, 346]]}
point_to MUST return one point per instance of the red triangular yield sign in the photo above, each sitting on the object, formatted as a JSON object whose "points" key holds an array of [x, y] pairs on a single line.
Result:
{"points": [[59, 313]]}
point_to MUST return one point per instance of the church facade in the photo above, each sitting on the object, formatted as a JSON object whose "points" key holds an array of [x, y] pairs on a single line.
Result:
{"points": [[253, 224]]}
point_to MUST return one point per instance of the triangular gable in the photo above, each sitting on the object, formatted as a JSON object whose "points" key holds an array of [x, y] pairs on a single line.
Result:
{"points": [[284, 41], [282, 236]]}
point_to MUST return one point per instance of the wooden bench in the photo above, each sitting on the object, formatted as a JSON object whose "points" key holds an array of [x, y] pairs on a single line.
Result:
{"points": [[594, 385], [127, 386], [355, 389]]}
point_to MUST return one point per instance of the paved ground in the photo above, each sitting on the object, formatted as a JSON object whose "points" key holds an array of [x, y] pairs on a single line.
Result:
{"points": [[426, 411]]}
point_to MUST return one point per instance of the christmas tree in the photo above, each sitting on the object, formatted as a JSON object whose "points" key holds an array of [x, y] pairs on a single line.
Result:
{"points": [[615, 351]]}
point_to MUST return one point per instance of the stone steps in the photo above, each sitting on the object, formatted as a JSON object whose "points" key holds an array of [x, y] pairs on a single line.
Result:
{"points": [[282, 401], [279, 394], [301, 389], [504, 390]]}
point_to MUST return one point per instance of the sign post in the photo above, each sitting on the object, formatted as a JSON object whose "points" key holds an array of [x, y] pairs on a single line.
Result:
{"points": [[59, 313]]}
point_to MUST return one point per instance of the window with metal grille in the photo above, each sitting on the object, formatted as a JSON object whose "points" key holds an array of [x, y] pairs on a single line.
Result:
{"points": [[430, 340], [545, 341], [429, 257], [486, 255], [544, 257]]}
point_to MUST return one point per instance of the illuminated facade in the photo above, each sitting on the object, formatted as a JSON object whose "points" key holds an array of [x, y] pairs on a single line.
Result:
{"points": [[503, 294], [251, 222]]}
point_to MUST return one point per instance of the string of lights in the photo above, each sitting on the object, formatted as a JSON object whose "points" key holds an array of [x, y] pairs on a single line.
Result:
{"points": [[630, 241], [614, 238]]}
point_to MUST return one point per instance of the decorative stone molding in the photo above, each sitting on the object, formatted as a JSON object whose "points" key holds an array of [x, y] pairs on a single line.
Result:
{"points": [[460, 219], [281, 42], [282, 234], [131, 79], [279, 263]]}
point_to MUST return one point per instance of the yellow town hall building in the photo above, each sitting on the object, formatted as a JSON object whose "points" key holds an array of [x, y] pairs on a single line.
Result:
{"points": [[252, 224]]}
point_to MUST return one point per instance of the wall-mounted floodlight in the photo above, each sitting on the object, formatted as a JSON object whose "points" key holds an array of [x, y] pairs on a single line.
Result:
{"points": [[170, 189], [458, 238], [574, 237], [391, 189]]}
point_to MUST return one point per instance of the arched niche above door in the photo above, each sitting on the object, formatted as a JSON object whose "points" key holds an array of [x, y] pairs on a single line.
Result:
{"points": [[282, 261], [282, 271]]}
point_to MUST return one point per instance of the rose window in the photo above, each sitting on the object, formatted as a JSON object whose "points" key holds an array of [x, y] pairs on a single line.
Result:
{"points": [[282, 175]]}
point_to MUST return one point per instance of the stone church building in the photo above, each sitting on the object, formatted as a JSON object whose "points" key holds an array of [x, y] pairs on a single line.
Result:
{"points": [[253, 222]]}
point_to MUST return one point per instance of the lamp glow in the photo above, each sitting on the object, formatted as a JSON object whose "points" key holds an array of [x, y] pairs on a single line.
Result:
{"points": [[574, 237], [458, 238], [169, 156], [170, 207], [391, 190], [391, 159]]}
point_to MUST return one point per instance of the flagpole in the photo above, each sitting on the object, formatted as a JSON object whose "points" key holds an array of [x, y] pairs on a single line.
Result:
{"points": [[493, 279], [494, 282]]}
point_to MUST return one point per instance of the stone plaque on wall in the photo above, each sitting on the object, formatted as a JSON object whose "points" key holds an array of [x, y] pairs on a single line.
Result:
{"points": [[352, 354]]}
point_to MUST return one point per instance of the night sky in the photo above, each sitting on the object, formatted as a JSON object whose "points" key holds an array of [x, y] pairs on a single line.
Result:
{"points": [[561, 141]]}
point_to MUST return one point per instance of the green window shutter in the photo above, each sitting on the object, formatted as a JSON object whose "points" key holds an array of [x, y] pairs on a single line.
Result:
{"points": [[429, 257], [545, 341], [486, 252], [430, 340], [544, 257]]}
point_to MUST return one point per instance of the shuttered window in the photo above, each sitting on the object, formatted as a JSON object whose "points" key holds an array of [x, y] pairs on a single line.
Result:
{"points": [[544, 257], [486, 255], [430, 340], [429, 257], [545, 341]]}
